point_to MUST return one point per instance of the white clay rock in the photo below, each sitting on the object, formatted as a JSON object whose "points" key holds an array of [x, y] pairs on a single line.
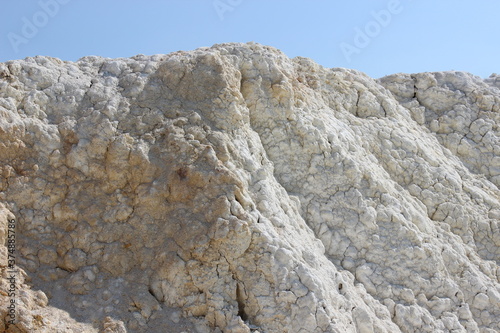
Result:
{"points": [[232, 189]]}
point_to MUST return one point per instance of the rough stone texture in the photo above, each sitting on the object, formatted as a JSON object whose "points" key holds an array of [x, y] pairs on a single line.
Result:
{"points": [[231, 189]]}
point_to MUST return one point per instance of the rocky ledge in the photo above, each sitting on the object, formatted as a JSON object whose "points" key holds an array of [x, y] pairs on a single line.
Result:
{"points": [[232, 189]]}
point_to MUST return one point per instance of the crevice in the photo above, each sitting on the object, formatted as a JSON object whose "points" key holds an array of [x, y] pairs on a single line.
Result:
{"points": [[240, 298], [150, 290], [65, 269], [415, 89], [357, 104], [238, 200]]}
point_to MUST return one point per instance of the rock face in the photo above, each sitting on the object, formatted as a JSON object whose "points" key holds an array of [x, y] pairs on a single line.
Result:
{"points": [[232, 189]]}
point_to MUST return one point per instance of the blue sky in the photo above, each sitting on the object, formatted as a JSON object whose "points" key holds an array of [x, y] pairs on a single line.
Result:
{"points": [[378, 37]]}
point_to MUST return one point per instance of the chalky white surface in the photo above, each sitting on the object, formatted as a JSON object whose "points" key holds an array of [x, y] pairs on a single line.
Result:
{"points": [[232, 189]]}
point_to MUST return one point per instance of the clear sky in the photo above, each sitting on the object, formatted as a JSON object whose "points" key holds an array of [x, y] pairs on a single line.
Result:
{"points": [[378, 37]]}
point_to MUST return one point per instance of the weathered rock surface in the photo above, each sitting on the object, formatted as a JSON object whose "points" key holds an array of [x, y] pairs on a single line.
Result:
{"points": [[231, 189]]}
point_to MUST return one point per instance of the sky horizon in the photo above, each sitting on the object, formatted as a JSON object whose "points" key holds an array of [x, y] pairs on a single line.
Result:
{"points": [[379, 37]]}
